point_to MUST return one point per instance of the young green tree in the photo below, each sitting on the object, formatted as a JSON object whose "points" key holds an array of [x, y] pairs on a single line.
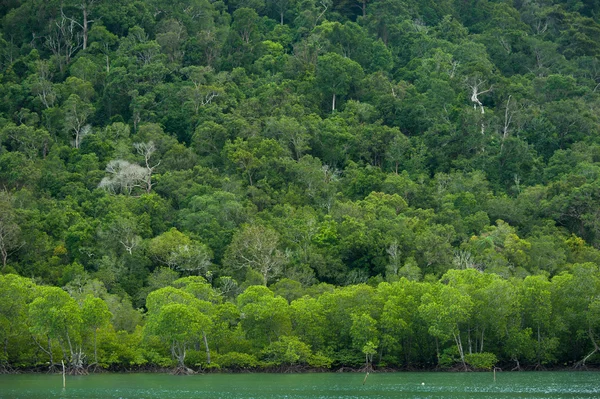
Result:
{"points": [[179, 320], [95, 316], [55, 317], [445, 310]]}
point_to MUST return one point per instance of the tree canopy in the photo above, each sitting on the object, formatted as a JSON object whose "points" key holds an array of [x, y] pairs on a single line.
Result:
{"points": [[268, 184]]}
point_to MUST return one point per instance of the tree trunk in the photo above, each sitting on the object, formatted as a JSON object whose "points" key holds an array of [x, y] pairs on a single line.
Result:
{"points": [[333, 104], [581, 363], [469, 341], [95, 346], [49, 352], [460, 349], [481, 346], [85, 27], [206, 346], [4, 253], [6, 348], [539, 346]]}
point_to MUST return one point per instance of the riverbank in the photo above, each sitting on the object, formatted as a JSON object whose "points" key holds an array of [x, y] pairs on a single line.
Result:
{"points": [[296, 369]]}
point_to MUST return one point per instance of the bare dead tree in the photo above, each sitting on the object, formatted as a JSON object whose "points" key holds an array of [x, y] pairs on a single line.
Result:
{"points": [[475, 84], [146, 150], [64, 39], [325, 4]]}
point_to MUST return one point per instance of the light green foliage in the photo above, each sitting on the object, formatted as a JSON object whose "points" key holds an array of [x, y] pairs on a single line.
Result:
{"points": [[54, 316], [178, 319], [288, 351], [265, 317], [15, 295], [481, 361], [178, 252]]}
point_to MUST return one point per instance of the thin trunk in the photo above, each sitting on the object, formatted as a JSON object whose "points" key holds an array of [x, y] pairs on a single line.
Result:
{"points": [[206, 346], [481, 347], [581, 363], [95, 346], [507, 120], [333, 103], [6, 348], [469, 340], [70, 346], [85, 27], [281, 17], [460, 349], [4, 253]]}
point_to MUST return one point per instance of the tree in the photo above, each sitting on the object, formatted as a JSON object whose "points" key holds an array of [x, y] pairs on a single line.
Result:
{"points": [[179, 320], [180, 325], [42, 85], [574, 298], [177, 251], [335, 75], [10, 232], [280, 7], [77, 112], [245, 23], [55, 316], [95, 315], [364, 335], [146, 150], [15, 295], [444, 310], [102, 41], [535, 296], [256, 247], [63, 39], [266, 316], [126, 177]]}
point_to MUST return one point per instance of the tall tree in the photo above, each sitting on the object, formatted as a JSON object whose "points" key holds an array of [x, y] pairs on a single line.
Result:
{"points": [[336, 75]]}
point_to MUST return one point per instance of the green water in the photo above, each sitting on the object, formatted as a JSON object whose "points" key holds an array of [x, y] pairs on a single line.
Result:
{"points": [[536, 385]]}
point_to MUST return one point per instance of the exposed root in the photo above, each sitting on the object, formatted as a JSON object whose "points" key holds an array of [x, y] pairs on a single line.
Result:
{"points": [[77, 371], [6, 369], [53, 369], [182, 370], [366, 369]]}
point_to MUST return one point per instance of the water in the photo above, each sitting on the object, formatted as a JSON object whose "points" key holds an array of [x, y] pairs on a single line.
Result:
{"points": [[535, 385]]}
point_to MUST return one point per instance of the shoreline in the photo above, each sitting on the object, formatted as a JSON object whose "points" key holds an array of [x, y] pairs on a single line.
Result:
{"points": [[302, 370]]}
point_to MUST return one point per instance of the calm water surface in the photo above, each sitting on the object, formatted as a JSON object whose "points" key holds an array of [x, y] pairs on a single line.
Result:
{"points": [[538, 385]]}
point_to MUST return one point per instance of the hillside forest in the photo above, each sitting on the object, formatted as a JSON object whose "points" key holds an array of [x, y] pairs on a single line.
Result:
{"points": [[299, 184]]}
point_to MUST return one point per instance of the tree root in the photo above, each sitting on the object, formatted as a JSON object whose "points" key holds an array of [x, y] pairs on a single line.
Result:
{"points": [[182, 370], [77, 371]]}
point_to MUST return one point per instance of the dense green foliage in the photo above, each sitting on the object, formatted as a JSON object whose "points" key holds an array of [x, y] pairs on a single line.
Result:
{"points": [[416, 182]]}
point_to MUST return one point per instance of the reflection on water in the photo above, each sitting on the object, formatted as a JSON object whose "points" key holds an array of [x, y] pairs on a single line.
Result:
{"points": [[538, 385]]}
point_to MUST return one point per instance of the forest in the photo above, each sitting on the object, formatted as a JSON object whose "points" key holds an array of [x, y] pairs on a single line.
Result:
{"points": [[206, 185]]}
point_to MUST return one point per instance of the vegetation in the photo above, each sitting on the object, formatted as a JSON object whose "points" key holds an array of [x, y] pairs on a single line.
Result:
{"points": [[299, 184]]}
